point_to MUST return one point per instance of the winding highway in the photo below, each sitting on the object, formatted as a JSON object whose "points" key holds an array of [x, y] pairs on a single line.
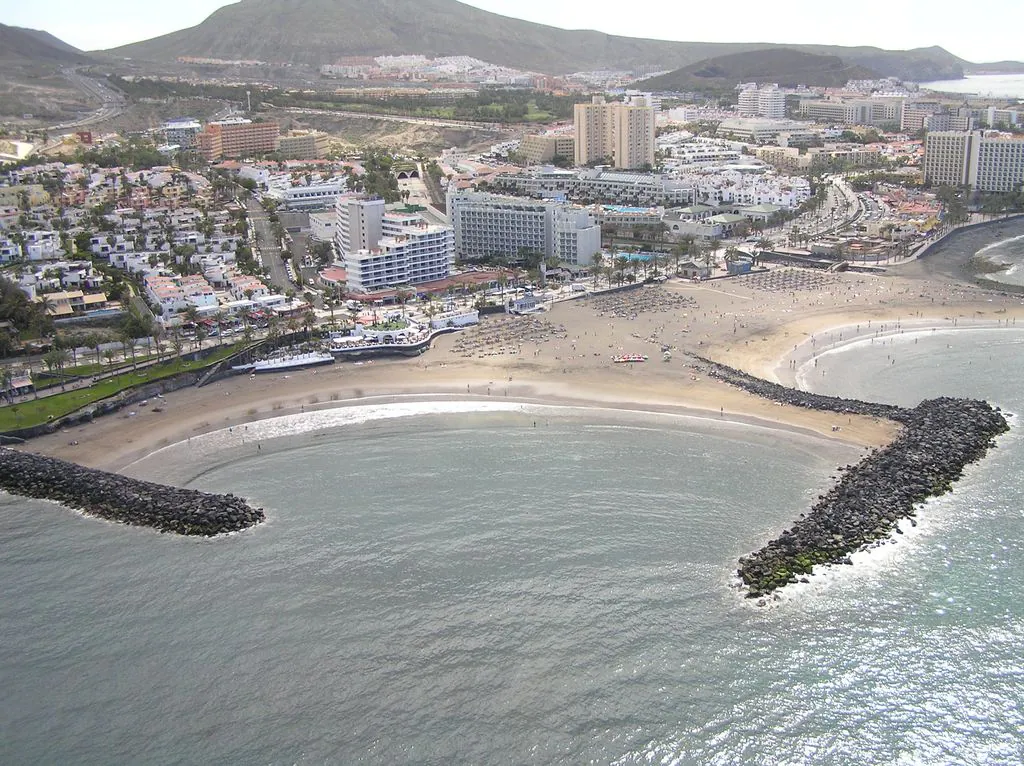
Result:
{"points": [[112, 102]]}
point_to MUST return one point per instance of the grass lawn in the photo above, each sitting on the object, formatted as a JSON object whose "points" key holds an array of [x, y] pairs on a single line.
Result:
{"points": [[35, 411]]}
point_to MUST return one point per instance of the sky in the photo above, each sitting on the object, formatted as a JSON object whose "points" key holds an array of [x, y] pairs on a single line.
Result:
{"points": [[983, 30]]}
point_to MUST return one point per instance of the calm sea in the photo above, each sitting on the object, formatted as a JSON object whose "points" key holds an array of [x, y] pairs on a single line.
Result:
{"points": [[992, 85], [539, 586]]}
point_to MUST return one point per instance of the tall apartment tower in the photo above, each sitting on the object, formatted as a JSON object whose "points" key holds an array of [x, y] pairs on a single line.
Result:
{"points": [[947, 158], [986, 162], [623, 132], [634, 136], [359, 224], [766, 101], [593, 131]]}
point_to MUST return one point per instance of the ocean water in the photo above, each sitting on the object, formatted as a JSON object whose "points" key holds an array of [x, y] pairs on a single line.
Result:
{"points": [[993, 85], [1008, 253], [530, 586]]}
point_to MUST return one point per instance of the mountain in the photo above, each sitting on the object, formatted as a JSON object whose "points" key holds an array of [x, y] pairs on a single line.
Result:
{"points": [[785, 66], [314, 32], [33, 46], [995, 67]]}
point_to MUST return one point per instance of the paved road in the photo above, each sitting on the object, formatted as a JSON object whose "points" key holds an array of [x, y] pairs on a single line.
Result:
{"points": [[112, 102], [268, 247]]}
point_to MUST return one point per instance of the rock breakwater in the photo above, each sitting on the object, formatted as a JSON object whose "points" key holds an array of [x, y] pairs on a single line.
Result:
{"points": [[794, 397], [940, 437], [122, 499]]}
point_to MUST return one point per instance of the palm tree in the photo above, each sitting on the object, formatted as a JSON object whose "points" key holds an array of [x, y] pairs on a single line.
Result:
{"points": [[94, 340], [680, 249], [6, 379], [158, 336], [308, 321], [732, 254], [403, 297], [431, 309], [657, 261], [597, 264], [127, 339], [706, 254], [67, 342], [274, 328], [219, 318], [621, 264], [110, 358], [176, 343], [57, 359], [49, 360]]}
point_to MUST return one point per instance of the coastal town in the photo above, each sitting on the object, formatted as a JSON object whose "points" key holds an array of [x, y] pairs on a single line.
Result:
{"points": [[202, 275], [468, 381], [194, 241]]}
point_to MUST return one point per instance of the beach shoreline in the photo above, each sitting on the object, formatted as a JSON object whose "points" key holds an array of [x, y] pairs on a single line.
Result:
{"points": [[767, 325]]}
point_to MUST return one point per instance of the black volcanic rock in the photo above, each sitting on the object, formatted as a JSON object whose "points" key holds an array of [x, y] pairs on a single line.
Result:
{"points": [[940, 437], [119, 498]]}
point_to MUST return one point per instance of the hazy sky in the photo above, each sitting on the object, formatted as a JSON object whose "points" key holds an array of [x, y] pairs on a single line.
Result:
{"points": [[982, 30]]}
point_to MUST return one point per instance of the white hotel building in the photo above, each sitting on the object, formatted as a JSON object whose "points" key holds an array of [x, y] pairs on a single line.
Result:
{"points": [[421, 253], [381, 250], [497, 225], [359, 224], [987, 162]]}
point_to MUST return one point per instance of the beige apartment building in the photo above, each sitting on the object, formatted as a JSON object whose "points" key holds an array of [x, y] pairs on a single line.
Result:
{"points": [[633, 129], [594, 136], [237, 138], [542, 150], [309, 145], [621, 132]]}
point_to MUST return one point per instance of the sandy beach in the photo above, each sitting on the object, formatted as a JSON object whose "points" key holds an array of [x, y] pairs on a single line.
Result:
{"points": [[764, 323]]}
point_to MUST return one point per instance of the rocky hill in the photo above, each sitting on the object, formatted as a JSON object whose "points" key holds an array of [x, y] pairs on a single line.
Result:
{"points": [[785, 66], [315, 32], [33, 46]]}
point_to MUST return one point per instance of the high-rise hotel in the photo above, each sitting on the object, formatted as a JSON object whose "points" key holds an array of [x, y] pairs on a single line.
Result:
{"points": [[622, 133], [985, 161]]}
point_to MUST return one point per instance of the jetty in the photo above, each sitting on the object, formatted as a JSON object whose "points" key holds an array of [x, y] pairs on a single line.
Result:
{"points": [[122, 499], [939, 438]]}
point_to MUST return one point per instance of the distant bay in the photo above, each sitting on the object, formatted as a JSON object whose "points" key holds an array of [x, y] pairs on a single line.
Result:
{"points": [[993, 85]]}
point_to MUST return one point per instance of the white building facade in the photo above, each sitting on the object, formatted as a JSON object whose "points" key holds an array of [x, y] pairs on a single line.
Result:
{"points": [[987, 162], [359, 224], [497, 225], [419, 254]]}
